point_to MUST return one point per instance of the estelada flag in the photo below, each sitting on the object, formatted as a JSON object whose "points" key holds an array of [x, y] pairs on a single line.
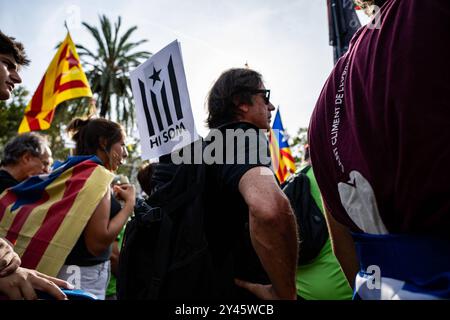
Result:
{"points": [[63, 80], [44, 216], [282, 161]]}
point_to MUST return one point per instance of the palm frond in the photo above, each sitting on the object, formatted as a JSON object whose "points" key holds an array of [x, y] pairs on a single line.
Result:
{"points": [[109, 67], [96, 34]]}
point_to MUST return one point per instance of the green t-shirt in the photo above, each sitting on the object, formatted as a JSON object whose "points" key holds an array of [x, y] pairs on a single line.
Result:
{"points": [[322, 279]]}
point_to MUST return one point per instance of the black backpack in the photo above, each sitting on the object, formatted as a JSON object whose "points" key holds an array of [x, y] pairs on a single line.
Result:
{"points": [[312, 226], [165, 254]]}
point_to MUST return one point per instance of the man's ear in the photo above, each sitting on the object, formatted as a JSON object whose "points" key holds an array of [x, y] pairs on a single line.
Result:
{"points": [[243, 107], [26, 157], [103, 144]]}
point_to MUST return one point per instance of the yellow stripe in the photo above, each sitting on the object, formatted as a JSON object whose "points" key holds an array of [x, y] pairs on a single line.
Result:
{"points": [[24, 127], [72, 94], [5, 224]]}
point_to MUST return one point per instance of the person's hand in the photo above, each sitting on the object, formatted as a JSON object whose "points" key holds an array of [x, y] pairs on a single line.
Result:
{"points": [[127, 193], [21, 285], [9, 260], [262, 291]]}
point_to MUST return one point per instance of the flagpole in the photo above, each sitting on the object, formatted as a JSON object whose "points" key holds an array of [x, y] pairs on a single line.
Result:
{"points": [[337, 30], [67, 27]]}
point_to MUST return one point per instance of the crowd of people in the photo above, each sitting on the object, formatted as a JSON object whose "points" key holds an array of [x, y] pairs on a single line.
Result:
{"points": [[382, 108]]}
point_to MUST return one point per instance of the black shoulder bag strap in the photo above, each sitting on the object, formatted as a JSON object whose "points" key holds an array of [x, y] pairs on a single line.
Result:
{"points": [[162, 249]]}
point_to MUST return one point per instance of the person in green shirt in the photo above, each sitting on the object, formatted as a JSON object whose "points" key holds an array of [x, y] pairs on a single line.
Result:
{"points": [[322, 278]]}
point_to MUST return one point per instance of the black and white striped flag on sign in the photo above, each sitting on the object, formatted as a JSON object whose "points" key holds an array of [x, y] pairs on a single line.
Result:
{"points": [[164, 113]]}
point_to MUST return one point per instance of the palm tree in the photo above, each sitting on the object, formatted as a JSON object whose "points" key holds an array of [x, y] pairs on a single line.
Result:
{"points": [[108, 68]]}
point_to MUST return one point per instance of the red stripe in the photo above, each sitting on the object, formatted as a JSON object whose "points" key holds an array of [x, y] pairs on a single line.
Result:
{"points": [[36, 101], [36, 107], [57, 83], [8, 199], [71, 85], [280, 174], [284, 171], [21, 216], [279, 178], [33, 123], [56, 215], [49, 116], [287, 155], [63, 54]]}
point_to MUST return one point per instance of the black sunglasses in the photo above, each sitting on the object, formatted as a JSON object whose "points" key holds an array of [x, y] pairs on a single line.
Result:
{"points": [[266, 94]]}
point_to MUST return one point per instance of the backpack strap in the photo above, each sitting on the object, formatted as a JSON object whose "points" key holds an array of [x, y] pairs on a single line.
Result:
{"points": [[306, 169], [293, 176], [162, 252], [162, 249]]}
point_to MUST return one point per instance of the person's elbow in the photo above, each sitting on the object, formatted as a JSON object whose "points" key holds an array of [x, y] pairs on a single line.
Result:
{"points": [[274, 212], [96, 246]]}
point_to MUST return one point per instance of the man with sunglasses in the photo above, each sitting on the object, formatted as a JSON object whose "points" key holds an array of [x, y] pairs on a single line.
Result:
{"points": [[250, 225], [25, 155]]}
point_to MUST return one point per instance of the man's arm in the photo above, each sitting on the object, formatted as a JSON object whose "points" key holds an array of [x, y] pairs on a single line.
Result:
{"points": [[273, 231], [343, 247]]}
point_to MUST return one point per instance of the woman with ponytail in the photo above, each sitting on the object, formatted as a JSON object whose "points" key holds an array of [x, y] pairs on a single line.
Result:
{"points": [[90, 255]]}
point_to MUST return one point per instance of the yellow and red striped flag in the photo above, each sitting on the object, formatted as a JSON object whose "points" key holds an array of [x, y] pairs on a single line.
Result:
{"points": [[44, 216], [63, 80], [282, 161]]}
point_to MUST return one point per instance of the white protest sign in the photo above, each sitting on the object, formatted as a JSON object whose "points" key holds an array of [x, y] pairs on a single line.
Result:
{"points": [[164, 113]]}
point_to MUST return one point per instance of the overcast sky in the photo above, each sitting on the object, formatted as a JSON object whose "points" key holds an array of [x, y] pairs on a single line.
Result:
{"points": [[287, 41]]}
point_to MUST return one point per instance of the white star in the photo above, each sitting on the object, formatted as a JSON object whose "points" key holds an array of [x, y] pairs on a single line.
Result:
{"points": [[283, 137]]}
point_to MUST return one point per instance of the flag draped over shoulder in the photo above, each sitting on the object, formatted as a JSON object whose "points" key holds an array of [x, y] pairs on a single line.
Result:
{"points": [[282, 160], [63, 80], [44, 215]]}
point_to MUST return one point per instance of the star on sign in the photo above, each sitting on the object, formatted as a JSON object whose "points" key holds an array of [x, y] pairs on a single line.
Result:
{"points": [[155, 76]]}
